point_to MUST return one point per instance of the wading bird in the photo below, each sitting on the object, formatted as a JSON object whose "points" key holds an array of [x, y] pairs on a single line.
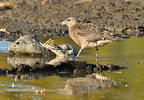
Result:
{"points": [[88, 35]]}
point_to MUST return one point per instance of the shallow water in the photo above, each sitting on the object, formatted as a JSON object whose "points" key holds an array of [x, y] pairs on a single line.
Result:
{"points": [[125, 53]]}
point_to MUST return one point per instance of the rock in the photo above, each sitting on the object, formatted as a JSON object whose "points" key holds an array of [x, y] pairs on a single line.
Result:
{"points": [[140, 62], [68, 49], [28, 45], [64, 52]]}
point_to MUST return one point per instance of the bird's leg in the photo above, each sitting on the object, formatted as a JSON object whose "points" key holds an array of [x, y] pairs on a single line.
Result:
{"points": [[79, 52], [96, 54], [97, 64]]}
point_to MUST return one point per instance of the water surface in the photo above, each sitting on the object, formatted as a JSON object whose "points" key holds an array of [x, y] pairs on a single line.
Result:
{"points": [[125, 53]]}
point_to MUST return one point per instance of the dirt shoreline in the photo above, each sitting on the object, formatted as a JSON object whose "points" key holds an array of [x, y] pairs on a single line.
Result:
{"points": [[43, 20]]}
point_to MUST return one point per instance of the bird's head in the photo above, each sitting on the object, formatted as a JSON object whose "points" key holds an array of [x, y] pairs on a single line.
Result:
{"points": [[69, 21]]}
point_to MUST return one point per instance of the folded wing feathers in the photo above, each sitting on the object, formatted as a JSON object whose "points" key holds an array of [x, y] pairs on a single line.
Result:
{"points": [[90, 32]]}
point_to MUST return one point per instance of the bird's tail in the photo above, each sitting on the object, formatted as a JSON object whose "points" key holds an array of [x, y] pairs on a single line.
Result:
{"points": [[118, 37], [114, 37], [109, 35]]}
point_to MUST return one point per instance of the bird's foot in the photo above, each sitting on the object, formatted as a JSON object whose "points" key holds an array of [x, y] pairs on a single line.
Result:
{"points": [[76, 58]]}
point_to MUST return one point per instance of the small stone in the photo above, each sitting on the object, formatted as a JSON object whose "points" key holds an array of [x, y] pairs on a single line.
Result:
{"points": [[141, 62]]}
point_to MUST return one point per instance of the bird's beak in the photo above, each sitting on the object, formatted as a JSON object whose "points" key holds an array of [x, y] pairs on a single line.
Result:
{"points": [[63, 23]]}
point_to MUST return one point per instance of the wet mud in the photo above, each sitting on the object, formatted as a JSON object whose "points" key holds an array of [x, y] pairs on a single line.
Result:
{"points": [[43, 19]]}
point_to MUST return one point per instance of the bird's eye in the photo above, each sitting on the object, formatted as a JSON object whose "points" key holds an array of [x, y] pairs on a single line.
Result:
{"points": [[68, 19]]}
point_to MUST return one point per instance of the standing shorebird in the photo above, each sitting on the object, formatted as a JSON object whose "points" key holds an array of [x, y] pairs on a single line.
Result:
{"points": [[88, 35]]}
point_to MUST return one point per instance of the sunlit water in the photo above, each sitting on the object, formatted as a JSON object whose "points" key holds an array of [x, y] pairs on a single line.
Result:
{"points": [[125, 53]]}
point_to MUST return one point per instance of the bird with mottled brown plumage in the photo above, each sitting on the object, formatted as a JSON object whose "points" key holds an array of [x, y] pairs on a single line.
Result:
{"points": [[88, 35]]}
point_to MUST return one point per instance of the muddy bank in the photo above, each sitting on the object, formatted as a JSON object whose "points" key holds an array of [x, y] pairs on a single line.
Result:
{"points": [[42, 20]]}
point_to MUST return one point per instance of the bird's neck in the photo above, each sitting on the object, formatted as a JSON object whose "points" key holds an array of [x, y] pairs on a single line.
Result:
{"points": [[72, 28]]}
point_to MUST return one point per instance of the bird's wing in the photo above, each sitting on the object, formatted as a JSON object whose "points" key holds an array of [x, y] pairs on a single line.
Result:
{"points": [[93, 33], [90, 32]]}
